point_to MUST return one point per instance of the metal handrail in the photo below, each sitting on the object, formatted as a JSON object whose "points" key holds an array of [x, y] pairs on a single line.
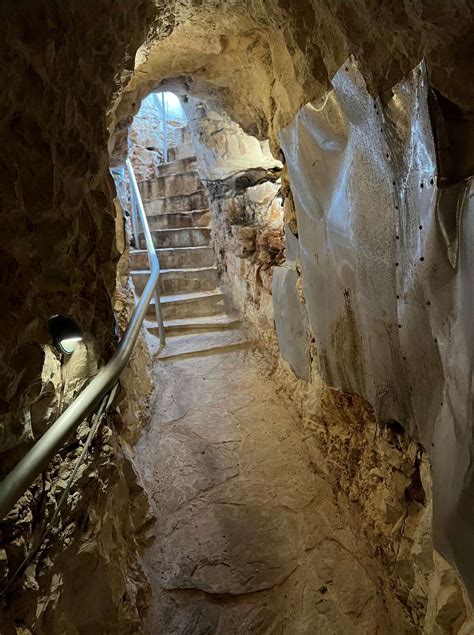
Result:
{"points": [[137, 205], [19, 479]]}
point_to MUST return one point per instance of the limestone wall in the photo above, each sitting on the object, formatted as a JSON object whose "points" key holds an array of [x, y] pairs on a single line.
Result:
{"points": [[69, 95], [61, 64], [384, 473]]}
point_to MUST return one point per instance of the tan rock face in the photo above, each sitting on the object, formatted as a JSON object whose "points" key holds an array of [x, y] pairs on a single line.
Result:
{"points": [[61, 65], [58, 251], [262, 60]]}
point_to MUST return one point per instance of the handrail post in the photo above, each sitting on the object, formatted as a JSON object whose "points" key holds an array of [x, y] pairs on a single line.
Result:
{"points": [[158, 312], [159, 319], [134, 219], [165, 129], [152, 255]]}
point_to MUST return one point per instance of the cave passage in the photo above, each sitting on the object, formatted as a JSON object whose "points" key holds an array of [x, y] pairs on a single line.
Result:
{"points": [[250, 535], [198, 317], [277, 437]]}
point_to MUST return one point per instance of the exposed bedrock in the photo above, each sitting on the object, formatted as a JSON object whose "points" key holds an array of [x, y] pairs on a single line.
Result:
{"points": [[72, 82], [61, 63], [263, 60]]}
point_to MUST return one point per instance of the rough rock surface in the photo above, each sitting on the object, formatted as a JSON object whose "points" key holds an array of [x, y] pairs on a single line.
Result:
{"points": [[262, 60], [385, 474], [61, 64], [250, 535], [222, 147], [57, 252]]}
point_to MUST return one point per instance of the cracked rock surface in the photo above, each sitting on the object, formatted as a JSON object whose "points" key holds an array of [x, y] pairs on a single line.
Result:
{"points": [[248, 537]]}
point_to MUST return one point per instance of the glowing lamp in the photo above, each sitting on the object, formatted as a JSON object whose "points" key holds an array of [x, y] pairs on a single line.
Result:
{"points": [[65, 333]]}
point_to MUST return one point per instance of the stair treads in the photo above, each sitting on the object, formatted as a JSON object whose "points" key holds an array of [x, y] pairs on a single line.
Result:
{"points": [[170, 185], [176, 167], [189, 325], [174, 258], [179, 203], [180, 220], [182, 151], [180, 280], [181, 237], [222, 321], [194, 304], [204, 343]]}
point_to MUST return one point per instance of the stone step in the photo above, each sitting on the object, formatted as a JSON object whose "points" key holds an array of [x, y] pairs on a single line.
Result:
{"points": [[170, 185], [170, 258], [180, 280], [176, 167], [185, 305], [178, 220], [199, 344], [222, 321], [178, 203], [181, 134], [183, 151], [181, 326], [186, 237]]}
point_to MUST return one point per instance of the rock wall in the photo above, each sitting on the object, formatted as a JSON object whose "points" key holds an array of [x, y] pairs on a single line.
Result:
{"points": [[222, 147], [58, 251], [62, 64], [262, 60], [65, 65], [383, 473]]}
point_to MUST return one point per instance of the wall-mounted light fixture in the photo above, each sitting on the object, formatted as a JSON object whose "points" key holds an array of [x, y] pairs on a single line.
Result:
{"points": [[65, 332]]}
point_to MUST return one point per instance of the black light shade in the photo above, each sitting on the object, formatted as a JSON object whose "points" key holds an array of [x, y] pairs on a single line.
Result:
{"points": [[65, 332]]}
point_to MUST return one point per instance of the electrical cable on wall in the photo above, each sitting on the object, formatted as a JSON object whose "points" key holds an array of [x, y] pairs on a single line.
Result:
{"points": [[96, 421]]}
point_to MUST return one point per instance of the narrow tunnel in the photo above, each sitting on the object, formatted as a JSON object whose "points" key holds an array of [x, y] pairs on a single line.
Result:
{"points": [[236, 360]]}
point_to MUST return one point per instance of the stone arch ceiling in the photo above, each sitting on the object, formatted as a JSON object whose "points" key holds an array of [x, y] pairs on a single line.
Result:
{"points": [[264, 59]]}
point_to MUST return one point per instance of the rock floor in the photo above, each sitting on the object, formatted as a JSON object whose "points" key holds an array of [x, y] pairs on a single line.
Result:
{"points": [[250, 538]]}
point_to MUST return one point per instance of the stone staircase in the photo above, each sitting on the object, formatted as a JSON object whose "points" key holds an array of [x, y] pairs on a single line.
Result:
{"points": [[197, 321]]}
